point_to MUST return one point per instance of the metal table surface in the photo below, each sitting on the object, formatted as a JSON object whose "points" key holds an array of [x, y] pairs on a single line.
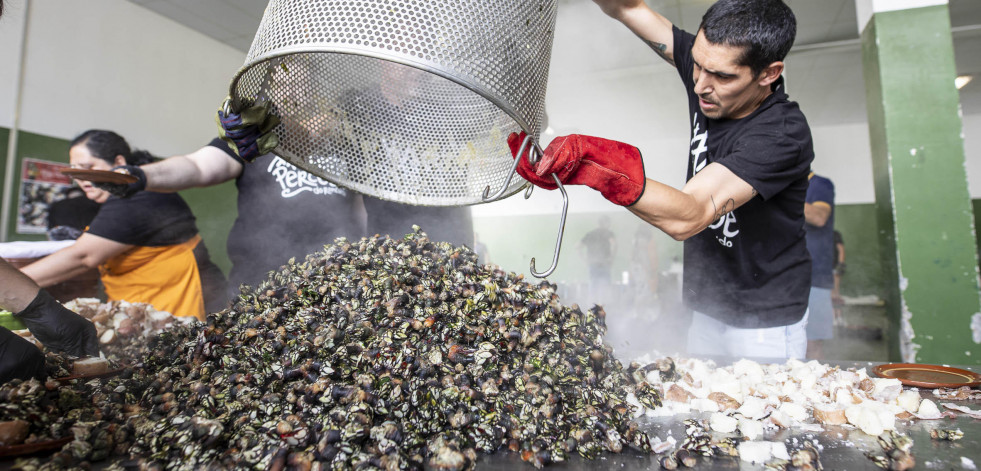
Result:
{"points": [[840, 447]]}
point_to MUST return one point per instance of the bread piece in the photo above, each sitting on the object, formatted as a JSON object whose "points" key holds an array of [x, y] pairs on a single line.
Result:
{"points": [[90, 366], [677, 394], [829, 415], [725, 401], [722, 423]]}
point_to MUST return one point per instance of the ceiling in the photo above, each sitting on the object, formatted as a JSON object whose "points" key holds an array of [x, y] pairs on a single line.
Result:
{"points": [[823, 70]]}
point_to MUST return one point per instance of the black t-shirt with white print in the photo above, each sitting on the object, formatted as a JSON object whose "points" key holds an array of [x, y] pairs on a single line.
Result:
{"points": [[283, 212], [750, 269]]}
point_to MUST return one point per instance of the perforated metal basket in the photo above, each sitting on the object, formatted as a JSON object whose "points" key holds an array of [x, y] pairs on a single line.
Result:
{"points": [[410, 101]]}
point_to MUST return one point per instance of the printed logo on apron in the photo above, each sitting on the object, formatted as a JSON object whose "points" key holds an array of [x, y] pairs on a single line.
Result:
{"points": [[294, 180]]}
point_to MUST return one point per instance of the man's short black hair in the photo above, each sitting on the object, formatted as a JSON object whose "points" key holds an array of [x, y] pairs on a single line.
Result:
{"points": [[765, 28]]}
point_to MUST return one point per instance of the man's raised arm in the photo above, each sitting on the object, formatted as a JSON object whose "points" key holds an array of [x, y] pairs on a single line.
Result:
{"points": [[650, 26]]}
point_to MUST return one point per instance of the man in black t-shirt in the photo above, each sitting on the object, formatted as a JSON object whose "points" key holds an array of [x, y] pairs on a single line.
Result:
{"points": [[747, 270], [600, 245], [283, 211]]}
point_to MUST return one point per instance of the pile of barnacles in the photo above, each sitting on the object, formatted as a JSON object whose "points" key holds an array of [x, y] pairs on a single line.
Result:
{"points": [[387, 353]]}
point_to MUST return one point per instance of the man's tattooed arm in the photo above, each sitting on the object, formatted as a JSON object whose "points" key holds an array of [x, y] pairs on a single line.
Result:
{"points": [[661, 50], [725, 209]]}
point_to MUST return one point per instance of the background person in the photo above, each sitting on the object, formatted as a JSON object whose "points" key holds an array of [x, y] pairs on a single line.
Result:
{"points": [[819, 214], [599, 246], [147, 248], [644, 272], [839, 270], [283, 211], [741, 211]]}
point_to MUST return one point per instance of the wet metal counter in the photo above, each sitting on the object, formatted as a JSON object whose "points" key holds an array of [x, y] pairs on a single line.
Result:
{"points": [[841, 447]]}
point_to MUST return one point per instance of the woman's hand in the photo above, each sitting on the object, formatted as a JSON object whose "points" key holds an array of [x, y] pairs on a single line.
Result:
{"points": [[58, 328]]}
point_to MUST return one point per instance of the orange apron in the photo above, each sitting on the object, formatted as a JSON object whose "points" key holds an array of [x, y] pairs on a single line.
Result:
{"points": [[165, 277]]}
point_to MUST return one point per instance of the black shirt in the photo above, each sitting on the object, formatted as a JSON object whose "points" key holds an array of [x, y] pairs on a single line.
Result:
{"points": [[149, 219], [283, 212], [75, 212], [146, 219], [750, 269], [820, 240]]}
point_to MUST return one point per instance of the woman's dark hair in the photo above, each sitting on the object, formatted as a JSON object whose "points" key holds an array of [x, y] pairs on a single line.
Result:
{"points": [[106, 145], [764, 28]]}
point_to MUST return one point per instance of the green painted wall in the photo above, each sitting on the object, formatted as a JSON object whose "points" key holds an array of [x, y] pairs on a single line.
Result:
{"points": [[213, 207], [928, 245], [863, 270], [4, 142], [215, 210]]}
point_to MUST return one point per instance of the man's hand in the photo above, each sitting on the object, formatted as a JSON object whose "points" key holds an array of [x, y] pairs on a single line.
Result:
{"points": [[249, 131], [19, 359], [58, 328], [125, 190], [613, 168]]}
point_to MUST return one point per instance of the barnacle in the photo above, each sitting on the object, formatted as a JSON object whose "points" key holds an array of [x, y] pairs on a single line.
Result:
{"points": [[384, 352]]}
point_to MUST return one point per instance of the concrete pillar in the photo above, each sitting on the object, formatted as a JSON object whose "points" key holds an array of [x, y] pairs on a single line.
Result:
{"points": [[925, 215]]}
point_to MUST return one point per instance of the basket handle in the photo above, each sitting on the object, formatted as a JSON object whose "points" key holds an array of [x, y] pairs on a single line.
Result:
{"points": [[533, 155], [558, 239]]}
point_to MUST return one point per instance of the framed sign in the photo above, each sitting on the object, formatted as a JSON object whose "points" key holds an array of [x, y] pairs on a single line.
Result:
{"points": [[41, 183]]}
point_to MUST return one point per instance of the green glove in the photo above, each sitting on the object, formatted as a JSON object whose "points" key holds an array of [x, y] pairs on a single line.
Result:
{"points": [[249, 132]]}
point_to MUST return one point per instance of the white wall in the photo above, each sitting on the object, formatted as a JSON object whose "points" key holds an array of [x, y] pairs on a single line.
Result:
{"points": [[115, 65], [11, 29], [596, 88]]}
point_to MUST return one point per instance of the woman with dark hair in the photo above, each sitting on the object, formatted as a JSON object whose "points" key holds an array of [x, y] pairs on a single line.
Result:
{"points": [[147, 247]]}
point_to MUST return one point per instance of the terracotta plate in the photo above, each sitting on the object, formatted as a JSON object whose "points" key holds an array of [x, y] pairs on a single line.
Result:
{"points": [[99, 176], [928, 376], [31, 448]]}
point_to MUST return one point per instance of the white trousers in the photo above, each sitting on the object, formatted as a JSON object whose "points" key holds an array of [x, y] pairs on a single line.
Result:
{"points": [[708, 336]]}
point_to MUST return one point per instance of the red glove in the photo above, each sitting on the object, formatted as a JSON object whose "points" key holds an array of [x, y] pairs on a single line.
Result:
{"points": [[613, 168]]}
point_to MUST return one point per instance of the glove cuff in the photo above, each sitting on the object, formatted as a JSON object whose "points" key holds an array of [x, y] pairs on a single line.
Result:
{"points": [[125, 190], [42, 299], [136, 171]]}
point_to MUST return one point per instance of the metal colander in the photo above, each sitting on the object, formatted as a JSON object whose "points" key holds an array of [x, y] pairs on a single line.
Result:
{"points": [[406, 100]]}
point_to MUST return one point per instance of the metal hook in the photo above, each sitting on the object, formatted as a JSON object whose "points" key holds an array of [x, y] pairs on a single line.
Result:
{"points": [[528, 189], [514, 169], [558, 240]]}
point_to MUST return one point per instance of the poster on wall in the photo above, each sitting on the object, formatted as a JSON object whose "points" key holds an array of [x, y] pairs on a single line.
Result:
{"points": [[41, 183]]}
